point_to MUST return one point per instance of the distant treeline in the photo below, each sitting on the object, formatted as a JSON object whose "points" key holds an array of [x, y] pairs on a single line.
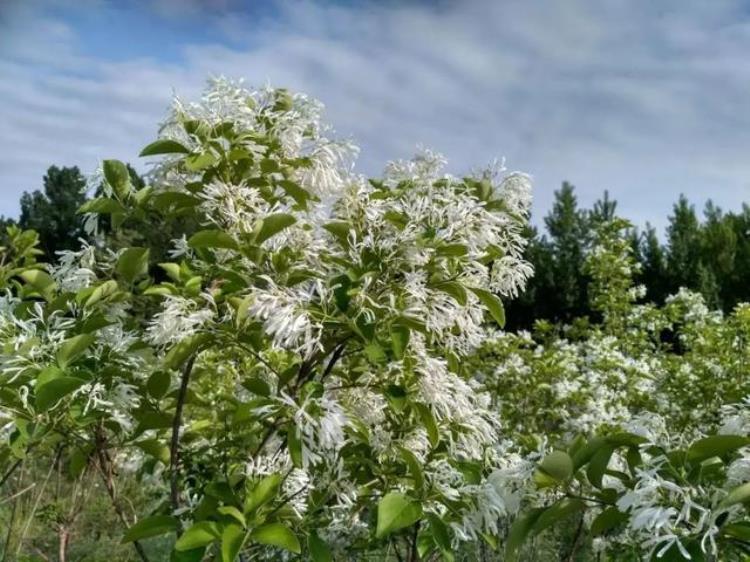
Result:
{"points": [[709, 254]]}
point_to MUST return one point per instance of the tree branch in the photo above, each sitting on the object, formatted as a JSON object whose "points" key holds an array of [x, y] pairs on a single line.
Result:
{"points": [[337, 353], [576, 541], [174, 449], [11, 524]]}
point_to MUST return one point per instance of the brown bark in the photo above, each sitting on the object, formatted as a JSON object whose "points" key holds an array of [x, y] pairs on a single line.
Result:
{"points": [[106, 470]]}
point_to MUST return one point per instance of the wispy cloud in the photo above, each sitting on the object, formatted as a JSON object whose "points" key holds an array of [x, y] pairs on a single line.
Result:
{"points": [[645, 99]]}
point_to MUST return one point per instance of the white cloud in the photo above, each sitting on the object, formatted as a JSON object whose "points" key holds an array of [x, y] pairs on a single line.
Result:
{"points": [[644, 99]]}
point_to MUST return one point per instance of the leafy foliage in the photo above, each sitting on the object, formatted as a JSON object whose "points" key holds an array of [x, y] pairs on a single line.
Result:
{"points": [[266, 356]]}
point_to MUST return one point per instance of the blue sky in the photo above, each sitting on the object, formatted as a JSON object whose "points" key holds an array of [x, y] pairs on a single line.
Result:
{"points": [[645, 99]]}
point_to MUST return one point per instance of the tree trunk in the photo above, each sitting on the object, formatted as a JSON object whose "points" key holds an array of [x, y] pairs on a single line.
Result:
{"points": [[63, 540]]}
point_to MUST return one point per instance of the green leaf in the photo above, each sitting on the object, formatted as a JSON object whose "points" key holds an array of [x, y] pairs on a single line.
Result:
{"points": [[194, 555], [740, 494], [453, 250], [715, 446], [200, 534], [583, 454], [79, 460], [233, 512], [276, 534], [257, 385], [132, 263], [440, 532], [72, 348], [493, 304], [172, 270], [183, 350], [454, 289], [598, 464], [118, 177], [164, 146], [555, 468], [151, 527], [340, 231], [739, 530], [294, 445], [414, 466], [48, 373], [158, 384], [399, 339], [232, 540], [375, 353], [48, 394], [518, 533], [40, 281], [101, 292], [212, 239], [296, 192], [198, 162], [273, 224], [156, 449], [102, 205], [319, 551], [152, 420], [556, 513], [607, 520], [399, 220], [263, 492], [396, 511], [429, 422], [269, 166]]}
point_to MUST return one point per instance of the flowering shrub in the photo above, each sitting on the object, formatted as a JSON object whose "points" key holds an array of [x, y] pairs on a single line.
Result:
{"points": [[646, 414], [319, 371], [294, 376]]}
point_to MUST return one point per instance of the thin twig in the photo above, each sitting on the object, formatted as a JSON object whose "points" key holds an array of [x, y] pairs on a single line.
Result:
{"points": [[37, 500], [576, 541], [398, 553], [10, 472], [11, 523], [259, 358], [14, 496], [105, 469]]}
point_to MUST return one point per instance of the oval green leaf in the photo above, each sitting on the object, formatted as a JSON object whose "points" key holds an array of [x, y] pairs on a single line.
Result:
{"points": [[396, 511], [48, 394], [164, 146], [151, 527], [276, 534], [200, 534]]}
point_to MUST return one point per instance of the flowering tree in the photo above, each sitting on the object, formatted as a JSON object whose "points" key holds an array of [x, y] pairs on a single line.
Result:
{"points": [[294, 379]]}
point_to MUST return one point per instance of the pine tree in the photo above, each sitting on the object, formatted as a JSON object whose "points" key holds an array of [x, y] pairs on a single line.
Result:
{"points": [[604, 210], [718, 251], [53, 212], [568, 235], [736, 285], [653, 274], [684, 247]]}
